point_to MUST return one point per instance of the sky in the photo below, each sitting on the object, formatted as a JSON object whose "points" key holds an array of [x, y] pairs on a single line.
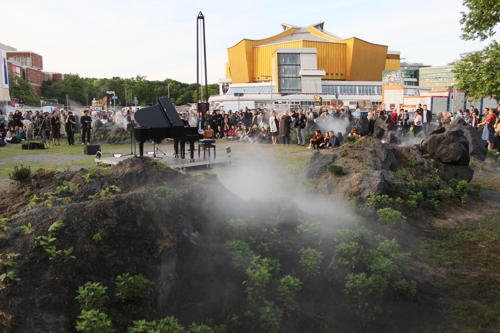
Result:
{"points": [[157, 38]]}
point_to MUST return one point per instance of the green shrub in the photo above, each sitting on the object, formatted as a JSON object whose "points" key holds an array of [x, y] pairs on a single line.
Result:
{"points": [[351, 138], [288, 288], [165, 325], [259, 274], [335, 169], [241, 254], [379, 201], [130, 288], [92, 295], [270, 317], [195, 328], [21, 173], [391, 217], [478, 189], [238, 227], [310, 261], [405, 289], [358, 287], [94, 321], [171, 194]]}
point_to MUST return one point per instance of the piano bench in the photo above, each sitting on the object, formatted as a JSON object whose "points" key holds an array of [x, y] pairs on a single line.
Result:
{"points": [[206, 144]]}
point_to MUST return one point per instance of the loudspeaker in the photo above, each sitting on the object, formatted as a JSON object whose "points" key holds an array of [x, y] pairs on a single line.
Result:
{"points": [[91, 150]]}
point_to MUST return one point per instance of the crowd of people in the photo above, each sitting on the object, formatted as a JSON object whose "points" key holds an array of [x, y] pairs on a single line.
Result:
{"points": [[252, 126], [17, 126]]}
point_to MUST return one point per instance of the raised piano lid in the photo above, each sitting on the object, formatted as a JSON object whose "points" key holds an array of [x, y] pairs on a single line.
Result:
{"points": [[158, 116]]}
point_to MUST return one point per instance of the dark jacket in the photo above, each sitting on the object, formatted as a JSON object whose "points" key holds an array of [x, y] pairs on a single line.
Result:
{"points": [[285, 125]]}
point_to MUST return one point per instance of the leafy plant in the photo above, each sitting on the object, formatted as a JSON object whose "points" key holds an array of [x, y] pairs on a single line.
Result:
{"points": [[405, 289], [478, 189], [270, 317], [195, 328], [241, 254], [92, 295], [53, 251], [165, 325], [90, 174], [336, 169], [97, 237], [67, 254], [66, 188], [379, 201], [20, 174], [130, 288], [171, 194], [106, 193], [259, 274], [310, 261], [45, 240], [391, 217], [56, 225], [288, 288], [94, 321], [237, 227]]}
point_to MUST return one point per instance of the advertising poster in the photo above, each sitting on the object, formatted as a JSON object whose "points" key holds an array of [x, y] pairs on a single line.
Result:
{"points": [[4, 72], [392, 88]]}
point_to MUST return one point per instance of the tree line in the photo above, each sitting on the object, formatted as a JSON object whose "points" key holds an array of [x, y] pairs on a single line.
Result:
{"points": [[82, 90]]}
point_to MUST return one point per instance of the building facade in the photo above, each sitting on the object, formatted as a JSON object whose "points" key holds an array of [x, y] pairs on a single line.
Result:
{"points": [[438, 77]]}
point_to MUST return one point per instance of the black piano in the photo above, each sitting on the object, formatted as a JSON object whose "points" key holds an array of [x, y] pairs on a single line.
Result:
{"points": [[162, 121]]}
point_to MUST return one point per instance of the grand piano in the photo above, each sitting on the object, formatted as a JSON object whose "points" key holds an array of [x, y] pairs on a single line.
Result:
{"points": [[162, 121]]}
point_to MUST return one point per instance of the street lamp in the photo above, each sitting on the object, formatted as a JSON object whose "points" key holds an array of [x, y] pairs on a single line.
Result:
{"points": [[271, 91]]}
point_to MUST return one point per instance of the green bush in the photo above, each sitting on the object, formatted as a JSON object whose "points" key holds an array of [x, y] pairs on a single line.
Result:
{"points": [[288, 288], [358, 288], [130, 288], [310, 261], [391, 217], [238, 227], [259, 274], [351, 138], [21, 173], [94, 321], [195, 328], [379, 201], [405, 289], [270, 317], [335, 169], [165, 325], [241, 254], [171, 194], [92, 295]]}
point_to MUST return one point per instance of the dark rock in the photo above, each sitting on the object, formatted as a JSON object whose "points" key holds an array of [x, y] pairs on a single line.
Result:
{"points": [[382, 125], [316, 167], [477, 146], [438, 131], [448, 147], [363, 126], [450, 171]]}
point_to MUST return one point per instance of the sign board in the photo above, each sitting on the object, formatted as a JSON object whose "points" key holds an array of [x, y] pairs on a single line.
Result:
{"points": [[392, 88], [114, 97], [110, 92]]}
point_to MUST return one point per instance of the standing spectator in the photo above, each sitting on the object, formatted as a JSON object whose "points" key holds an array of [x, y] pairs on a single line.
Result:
{"points": [[285, 122], [474, 120], [417, 123], [274, 127], [497, 134], [488, 129], [55, 128], [86, 122], [426, 119], [70, 128], [301, 128]]}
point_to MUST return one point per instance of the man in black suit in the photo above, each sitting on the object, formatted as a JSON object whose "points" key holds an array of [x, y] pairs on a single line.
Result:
{"points": [[426, 119], [86, 122]]}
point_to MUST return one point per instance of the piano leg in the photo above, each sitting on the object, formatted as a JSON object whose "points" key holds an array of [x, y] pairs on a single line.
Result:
{"points": [[183, 149], [176, 148], [141, 148], [191, 150]]}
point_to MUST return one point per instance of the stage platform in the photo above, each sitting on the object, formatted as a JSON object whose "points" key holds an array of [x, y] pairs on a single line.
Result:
{"points": [[174, 162]]}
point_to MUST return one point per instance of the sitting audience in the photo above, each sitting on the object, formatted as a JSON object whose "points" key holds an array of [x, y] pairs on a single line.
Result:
{"points": [[316, 140]]}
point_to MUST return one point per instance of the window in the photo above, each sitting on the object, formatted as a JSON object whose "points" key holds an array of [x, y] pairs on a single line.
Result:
{"points": [[288, 73]]}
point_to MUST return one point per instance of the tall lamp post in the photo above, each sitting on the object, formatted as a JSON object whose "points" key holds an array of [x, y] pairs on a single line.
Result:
{"points": [[114, 98]]}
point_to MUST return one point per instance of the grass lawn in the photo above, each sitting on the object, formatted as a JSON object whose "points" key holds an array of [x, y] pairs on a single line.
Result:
{"points": [[471, 257]]}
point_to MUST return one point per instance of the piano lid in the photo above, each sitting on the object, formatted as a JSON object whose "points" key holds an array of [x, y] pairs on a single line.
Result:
{"points": [[158, 116]]}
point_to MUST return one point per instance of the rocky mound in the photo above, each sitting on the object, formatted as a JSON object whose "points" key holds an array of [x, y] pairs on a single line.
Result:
{"points": [[370, 166], [141, 217]]}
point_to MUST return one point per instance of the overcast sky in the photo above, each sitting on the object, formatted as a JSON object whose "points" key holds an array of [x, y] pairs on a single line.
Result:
{"points": [[157, 38]]}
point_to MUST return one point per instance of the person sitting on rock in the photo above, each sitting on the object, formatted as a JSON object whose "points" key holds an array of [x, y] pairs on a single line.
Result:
{"points": [[333, 141], [324, 144], [316, 140], [354, 132]]}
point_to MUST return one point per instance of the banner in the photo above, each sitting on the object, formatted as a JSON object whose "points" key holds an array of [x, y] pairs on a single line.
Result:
{"points": [[4, 72]]}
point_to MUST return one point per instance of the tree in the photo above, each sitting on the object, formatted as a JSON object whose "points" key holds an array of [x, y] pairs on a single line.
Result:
{"points": [[479, 21], [23, 91], [477, 72]]}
